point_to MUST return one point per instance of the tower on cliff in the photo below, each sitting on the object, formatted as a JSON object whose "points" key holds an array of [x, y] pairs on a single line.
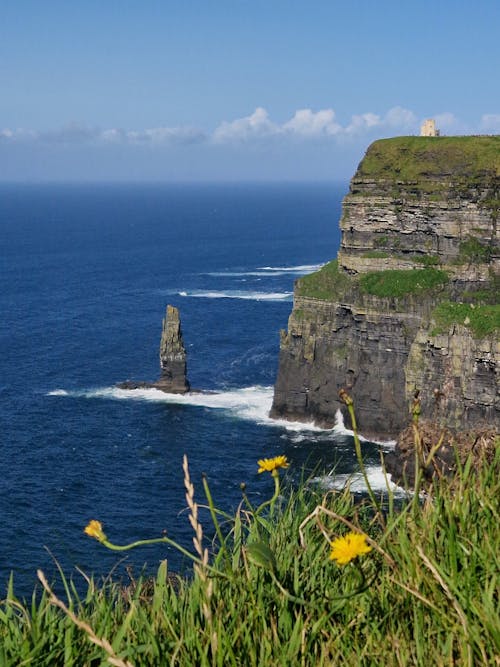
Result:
{"points": [[429, 129]]}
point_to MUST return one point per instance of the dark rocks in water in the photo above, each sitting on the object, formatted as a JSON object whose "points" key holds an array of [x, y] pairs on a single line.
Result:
{"points": [[132, 384], [173, 378]]}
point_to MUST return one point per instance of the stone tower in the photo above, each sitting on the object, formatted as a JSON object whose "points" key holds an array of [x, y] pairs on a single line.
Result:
{"points": [[428, 128]]}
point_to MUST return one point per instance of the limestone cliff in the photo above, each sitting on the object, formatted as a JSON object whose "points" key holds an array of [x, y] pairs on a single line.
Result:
{"points": [[412, 300]]}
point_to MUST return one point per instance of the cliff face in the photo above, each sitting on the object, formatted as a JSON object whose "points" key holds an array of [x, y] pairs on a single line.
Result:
{"points": [[411, 302]]}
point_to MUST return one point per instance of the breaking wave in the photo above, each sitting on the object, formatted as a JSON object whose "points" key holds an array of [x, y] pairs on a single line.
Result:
{"points": [[376, 477], [238, 294], [268, 271], [340, 429], [250, 403], [304, 268]]}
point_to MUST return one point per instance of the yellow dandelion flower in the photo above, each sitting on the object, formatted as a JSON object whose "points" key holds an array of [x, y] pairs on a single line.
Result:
{"points": [[94, 529], [270, 465], [347, 548]]}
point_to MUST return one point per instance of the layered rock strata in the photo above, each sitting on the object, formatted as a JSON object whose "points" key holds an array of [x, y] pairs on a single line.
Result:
{"points": [[173, 364], [412, 300], [173, 359]]}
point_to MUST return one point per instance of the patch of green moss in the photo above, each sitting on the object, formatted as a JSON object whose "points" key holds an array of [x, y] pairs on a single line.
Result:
{"points": [[376, 254], [482, 320], [472, 250], [399, 282], [426, 260], [381, 241], [325, 284]]}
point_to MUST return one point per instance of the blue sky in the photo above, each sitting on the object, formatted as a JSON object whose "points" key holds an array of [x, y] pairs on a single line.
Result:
{"points": [[224, 90]]}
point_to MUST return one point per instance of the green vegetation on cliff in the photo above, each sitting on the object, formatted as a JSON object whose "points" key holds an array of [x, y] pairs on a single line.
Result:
{"points": [[330, 283], [418, 158], [325, 284], [482, 320], [399, 282]]}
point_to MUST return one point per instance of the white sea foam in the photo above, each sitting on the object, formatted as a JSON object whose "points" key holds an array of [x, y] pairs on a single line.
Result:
{"points": [[302, 269], [268, 271], [244, 274], [378, 481], [238, 294], [340, 429], [251, 403]]}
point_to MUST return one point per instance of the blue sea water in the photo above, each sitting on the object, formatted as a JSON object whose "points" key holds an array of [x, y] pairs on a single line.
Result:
{"points": [[86, 274]]}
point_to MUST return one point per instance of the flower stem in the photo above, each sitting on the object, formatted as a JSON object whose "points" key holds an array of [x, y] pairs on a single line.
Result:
{"points": [[132, 545], [357, 446], [213, 514], [271, 502]]}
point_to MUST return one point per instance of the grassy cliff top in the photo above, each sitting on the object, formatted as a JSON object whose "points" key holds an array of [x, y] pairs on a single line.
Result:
{"points": [[414, 158]]}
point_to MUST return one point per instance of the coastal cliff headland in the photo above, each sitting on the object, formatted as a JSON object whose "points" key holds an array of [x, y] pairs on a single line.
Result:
{"points": [[411, 301]]}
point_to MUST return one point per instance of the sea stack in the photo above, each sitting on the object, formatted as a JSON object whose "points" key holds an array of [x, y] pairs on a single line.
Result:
{"points": [[173, 377]]}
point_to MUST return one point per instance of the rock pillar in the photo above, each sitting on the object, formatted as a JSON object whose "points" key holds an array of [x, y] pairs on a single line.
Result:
{"points": [[173, 377]]}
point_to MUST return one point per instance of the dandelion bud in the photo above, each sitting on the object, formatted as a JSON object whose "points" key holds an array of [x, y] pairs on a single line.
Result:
{"points": [[94, 529], [344, 396]]}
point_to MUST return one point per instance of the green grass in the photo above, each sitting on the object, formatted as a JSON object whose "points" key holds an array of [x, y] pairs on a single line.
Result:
{"points": [[330, 283], [482, 319], [326, 284], [376, 254], [472, 250], [408, 159], [426, 260], [399, 282], [427, 593], [489, 294], [381, 241]]}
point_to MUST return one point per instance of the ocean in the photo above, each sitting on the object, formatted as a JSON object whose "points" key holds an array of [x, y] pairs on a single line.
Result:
{"points": [[86, 274]]}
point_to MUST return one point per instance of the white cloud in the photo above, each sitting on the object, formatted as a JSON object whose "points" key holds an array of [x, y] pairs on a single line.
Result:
{"points": [[75, 133], [249, 127], [304, 125], [361, 123], [447, 122], [72, 133], [400, 117], [19, 135], [307, 123], [165, 135], [114, 136], [490, 122]]}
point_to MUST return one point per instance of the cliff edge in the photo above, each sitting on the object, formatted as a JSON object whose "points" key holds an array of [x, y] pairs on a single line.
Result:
{"points": [[411, 302]]}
